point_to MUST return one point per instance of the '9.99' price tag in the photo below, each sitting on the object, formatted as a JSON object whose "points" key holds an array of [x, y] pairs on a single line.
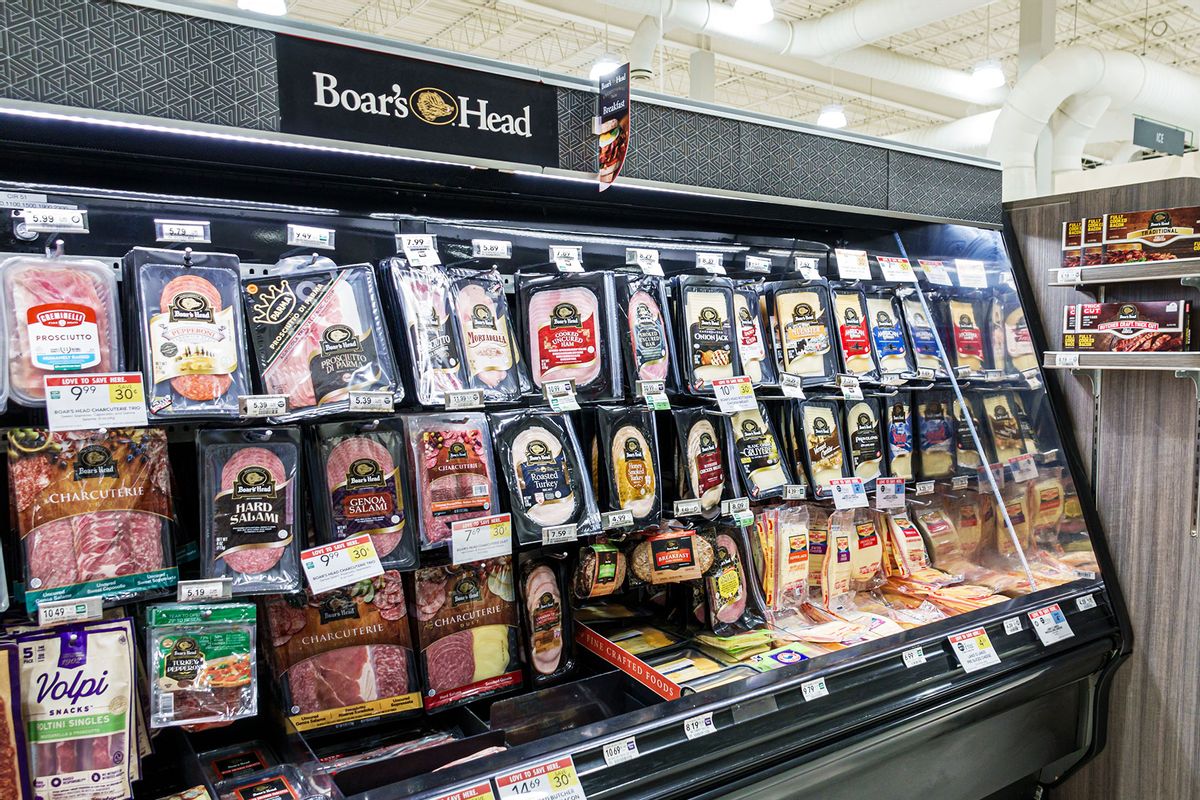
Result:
{"points": [[76, 402], [332, 566]]}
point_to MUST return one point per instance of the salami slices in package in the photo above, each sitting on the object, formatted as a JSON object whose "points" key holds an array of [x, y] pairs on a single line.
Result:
{"points": [[451, 456]]}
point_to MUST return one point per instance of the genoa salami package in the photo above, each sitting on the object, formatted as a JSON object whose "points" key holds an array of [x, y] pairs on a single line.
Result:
{"points": [[628, 444], [60, 315], [421, 299], [753, 349], [733, 605], [756, 454], [319, 334], [14, 766], [192, 339], [850, 311], [202, 663], [467, 631], [451, 455], [704, 453], [705, 315], [78, 690], [250, 481], [94, 513], [802, 315], [345, 656], [935, 435], [549, 627], [647, 334], [547, 478], [359, 481], [485, 333]]}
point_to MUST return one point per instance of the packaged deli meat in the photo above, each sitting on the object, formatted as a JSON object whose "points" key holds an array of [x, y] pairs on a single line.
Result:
{"points": [[94, 513], [191, 335], [548, 486], [756, 454], [284, 782], [359, 481], [467, 631], [865, 444], [671, 555], [233, 761], [927, 352], [202, 663], [451, 455], [628, 445], [854, 340], [344, 657], [733, 603], [1128, 327], [485, 333], [704, 453], [95, 755], [753, 348], [420, 297], [901, 443], [1161, 234], [546, 611], [60, 315], [648, 336], [599, 571], [14, 764], [250, 484], [825, 453], [319, 334], [705, 315], [803, 329], [935, 435], [887, 334]]}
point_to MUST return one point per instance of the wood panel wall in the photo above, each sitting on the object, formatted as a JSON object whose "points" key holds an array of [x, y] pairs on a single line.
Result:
{"points": [[1144, 484]]}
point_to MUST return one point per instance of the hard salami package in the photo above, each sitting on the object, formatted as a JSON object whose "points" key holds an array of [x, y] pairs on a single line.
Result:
{"points": [[629, 465], [707, 345], [546, 612], [485, 333], [250, 486], [94, 513], [319, 333], [704, 456], [191, 336], [14, 764], [850, 312], [344, 657], [756, 453], [467, 631], [455, 476], [421, 299], [60, 315], [359, 484], [758, 363], [803, 329], [648, 336]]}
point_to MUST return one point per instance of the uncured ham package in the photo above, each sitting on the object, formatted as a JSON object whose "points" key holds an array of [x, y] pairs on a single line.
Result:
{"points": [[192, 339], [850, 312], [94, 513], [922, 332], [359, 482], [733, 600], [935, 435], [865, 445], [319, 334], [753, 348], [485, 333], [455, 477], [344, 658], [14, 764], [887, 334], [803, 329], [467, 631], [420, 298], [898, 419], [647, 334], [705, 318], [60, 315], [629, 465], [548, 485], [756, 454], [202, 663], [704, 453], [78, 695], [824, 449], [250, 485], [546, 613]]}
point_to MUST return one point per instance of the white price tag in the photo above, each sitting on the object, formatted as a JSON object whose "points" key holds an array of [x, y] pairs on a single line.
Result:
{"points": [[481, 538], [620, 751], [1024, 468], [758, 264], [913, 657], [1050, 624], [95, 400], [702, 725], [850, 386], [974, 650], [795, 491], [183, 230], [332, 566], [687, 508], [734, 506], [644, 259], [971, 273], [60, 612], [207, 590], [613, 520], [734, 394], [1012, 625], [808, 267], [924, 374], [853, 265], [896, 270], [567, 258], [1085, 574], [491, 248], [419, 248], [792, 385], [459, 399], [561, 395], [559, 534], [959, 482], [553, 780], [924, 487], [712, 263], [1066, 360], [935, 273], [55, 220], [848, 493], [372, 402], [306, 236], [262, 405], [814, 689], [1069, 275], [1086, 602], [889, 493], [655, 394], [21, 200]]}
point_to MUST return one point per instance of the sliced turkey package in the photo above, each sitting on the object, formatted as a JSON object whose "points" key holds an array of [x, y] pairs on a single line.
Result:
{"points": [[704, 452], [250, 485], [647, 335], [705, 317], [629, 465], [455, 477], [421, 300], [542, 463], [854, 339], [94, 513], [359, 482], [754, 350], [485, 333], [756, 453], [546, 612], [60, 316], [803, 330], [319, 334]]}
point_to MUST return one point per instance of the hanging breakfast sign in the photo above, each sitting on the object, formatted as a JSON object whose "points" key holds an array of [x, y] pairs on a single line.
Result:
{"points": [[612, 123]]}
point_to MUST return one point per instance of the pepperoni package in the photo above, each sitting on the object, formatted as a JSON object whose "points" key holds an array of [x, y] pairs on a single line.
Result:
{"points": [[250, 500]]}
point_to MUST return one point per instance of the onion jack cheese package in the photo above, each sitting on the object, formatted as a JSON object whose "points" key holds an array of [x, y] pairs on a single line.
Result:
{"points": [[707, 331]]}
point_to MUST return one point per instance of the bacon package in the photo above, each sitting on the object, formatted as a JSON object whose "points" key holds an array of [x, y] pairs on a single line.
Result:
{"points": [[455, 478], [485, 333], [192, 340], [420, 297], [60, 315], [803, 329], [648, 336], [753, 348], [359, 483], [94, 513], [705, 315], [319, 334], [250, 480]]}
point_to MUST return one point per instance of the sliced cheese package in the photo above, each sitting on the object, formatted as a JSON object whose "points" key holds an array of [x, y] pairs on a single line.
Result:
{"points": [[647, 333], [760, 467], [802, 329], [892, 351], [703, 459], [854, 339], [866, 551], [628, 448], [1004, 428], [1018, 344], [818, 541], [935, 435], [901, 443], [922, 331], [962, 313], [753, 348], [865, 443], [837, 569], [824, 448], [704, 315]]}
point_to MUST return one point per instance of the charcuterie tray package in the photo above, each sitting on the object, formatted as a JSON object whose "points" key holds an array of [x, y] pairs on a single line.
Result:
{"points": [[202, 663], [344, 658], [546, 613], [250, 501], [801, 314], [191, 337], [704, 316], [628, 449], [319, 333], [484, 327], [419, 298], [359, 480], [648, 338], [94, 513]]}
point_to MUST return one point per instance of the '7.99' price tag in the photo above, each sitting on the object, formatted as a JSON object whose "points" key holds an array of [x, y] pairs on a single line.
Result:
{"points": [[734, 394], [481, 538], [114, 400], [554, 779], [332, 566]]}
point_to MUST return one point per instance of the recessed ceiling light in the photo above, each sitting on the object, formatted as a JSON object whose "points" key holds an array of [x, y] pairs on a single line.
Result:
{"points": [[754, 12], [832, 116], [275, 8]]}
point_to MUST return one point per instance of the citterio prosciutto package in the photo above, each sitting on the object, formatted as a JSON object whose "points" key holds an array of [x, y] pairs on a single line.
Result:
{"points": [[455, 478]]}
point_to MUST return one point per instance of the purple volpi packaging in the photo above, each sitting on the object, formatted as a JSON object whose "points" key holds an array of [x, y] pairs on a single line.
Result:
{"points": [[12, 726]]}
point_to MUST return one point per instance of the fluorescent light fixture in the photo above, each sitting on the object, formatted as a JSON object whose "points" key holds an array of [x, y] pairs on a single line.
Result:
{"points": [[988, 74], [604, 65], [274, 8], [832, 116], [754, 12]]}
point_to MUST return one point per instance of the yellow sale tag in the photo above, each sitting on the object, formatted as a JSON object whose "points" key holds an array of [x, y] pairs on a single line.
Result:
{"points": [[125, 393]]}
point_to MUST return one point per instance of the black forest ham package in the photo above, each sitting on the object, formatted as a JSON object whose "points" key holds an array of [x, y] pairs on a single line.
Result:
{"points": [[628, 448], [549, 627], [451, 456], [704, 314], [420, 298]]}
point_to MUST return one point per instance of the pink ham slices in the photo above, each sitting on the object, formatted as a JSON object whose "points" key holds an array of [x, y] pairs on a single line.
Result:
{"points": [[455, 477], [485, 333], [421, 298], [549, 636], [648, 338]]}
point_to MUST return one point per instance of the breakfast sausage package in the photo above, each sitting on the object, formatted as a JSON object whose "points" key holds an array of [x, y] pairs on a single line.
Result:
{"points": [[546, 614], [704, 316], [647, 336], [628, 443]]}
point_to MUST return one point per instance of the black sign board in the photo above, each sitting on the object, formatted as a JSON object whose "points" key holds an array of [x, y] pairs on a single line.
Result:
{"points": [[1156, 136], [612, 110], [347, 94]]}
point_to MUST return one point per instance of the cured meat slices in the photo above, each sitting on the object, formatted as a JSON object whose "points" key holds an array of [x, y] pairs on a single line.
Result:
{"points": [[702, 450], [648, 337], [422, 297], [485, 333], [452, 458], [450, 662], [548, 626]]}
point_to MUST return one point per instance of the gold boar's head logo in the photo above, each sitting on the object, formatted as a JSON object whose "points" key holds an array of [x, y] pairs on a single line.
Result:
{"points": [[434, 106]]}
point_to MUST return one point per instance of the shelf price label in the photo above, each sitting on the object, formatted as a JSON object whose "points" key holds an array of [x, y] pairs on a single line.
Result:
{"points": [[645, 259], [1069, 275], [1012, 625], [1066, 360], [795, 491], [808, 267], [481, 538], [460, 399], [95, 400], [851, 387], [655, 394], [555, 780], [262, 405], [55, 220], [853, 265], [1024, 468], [792, 385], [734, 394], [419, 249], [814, 690], [187, 231], [561, 395], [974, 649], [848, 493], [372, 402], [208, 590], [700, 725], [913, 657], [758, 264], [491, 248], [478, 791], [889, 493], [935, 272], [60, 612], [308, 236], [1086, 602], [687, 508], [712, 263], [924, 487], [560, 534], [1050, 624], [971, 273], [615, 520], [567, 258], [960, 482], [620, 751], [896, 270], [332, 566]]}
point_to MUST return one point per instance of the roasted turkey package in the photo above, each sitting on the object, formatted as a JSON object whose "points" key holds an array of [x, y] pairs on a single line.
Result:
{"points": [[648, 338], [546, 612], [94, 513], [629, 469], [485, 333], [704, 315], [420, 299]]}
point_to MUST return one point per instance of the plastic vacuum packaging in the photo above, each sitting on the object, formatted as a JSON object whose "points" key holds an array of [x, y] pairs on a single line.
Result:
{"points": [[421, 299], [94, 513], [1004, 427], [14, 764], [192, 339], [628, 444], [230, 763], [359, 483], [703, 449], [818, 540], [922, 332], [824, 451], [887, 334], [836, 569], [704, 316], [80, 724], [202, 663], [250, 481], [60, 315], [319, 334], [284, 782], [467, 631], [648, 336], [961, 329], [733, 602], [864, 439], [671, 554], [599, 571], [547, 478], [850, 311], [866, 549], [345, 656], [803, 329], [570, 329], [485, 333], [756, 453], [455, 478], [935, 435], [967, 457], [753, 348], [898, 417], [546, 611], [1018, 344]]}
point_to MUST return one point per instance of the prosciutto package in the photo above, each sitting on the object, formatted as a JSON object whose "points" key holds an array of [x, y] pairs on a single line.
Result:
{"points": [[628, 445], [359, 481], [94, 513], [649, 340], [319, 334], [546, 612], [14, 766], [60, 315], [704, 315], [191, 336], [455, 477], [485, 333], [421, 298], [250, 482]]}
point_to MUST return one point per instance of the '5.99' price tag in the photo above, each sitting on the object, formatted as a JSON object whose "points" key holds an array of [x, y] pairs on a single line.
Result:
{"points": [[554, 779], [113, 400], [332, 566]]}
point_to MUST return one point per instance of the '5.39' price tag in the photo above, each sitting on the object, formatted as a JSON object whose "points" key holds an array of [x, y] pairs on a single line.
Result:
{"points": [[332, 566]]}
